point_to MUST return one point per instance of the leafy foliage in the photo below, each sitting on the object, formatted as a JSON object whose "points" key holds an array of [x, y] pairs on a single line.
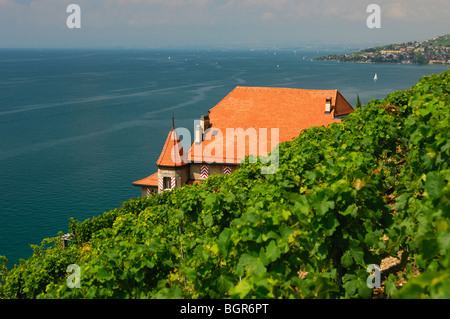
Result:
{"points": [[345, 196], [82, 231]]}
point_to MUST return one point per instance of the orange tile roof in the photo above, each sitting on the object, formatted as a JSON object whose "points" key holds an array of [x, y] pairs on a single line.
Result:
{"points": [[289, 110], [151, 180], [172, 153]]}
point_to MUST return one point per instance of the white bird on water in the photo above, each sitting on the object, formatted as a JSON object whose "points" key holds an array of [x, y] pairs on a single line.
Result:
{"points": [[375, 78]]}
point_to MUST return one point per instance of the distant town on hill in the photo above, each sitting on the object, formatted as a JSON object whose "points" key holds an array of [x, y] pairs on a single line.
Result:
{"points": [[434, 51]]}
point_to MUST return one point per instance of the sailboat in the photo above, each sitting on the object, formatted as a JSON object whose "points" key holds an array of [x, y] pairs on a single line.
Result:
{"points": [[375, 78]]}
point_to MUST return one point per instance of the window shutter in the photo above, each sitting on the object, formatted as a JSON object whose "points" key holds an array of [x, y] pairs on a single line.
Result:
{"points": [[204, 171], [161, 183]]}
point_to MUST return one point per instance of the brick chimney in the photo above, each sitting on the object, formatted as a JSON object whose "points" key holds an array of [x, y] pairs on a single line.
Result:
{"points": [[198, 137], [204, 122]]}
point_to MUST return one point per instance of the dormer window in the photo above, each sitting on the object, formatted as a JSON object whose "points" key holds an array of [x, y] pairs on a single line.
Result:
{"points": [[328, 105]]}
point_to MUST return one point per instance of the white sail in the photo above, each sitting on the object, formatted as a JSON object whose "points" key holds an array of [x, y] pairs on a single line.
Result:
{"points": [[375, 77]]}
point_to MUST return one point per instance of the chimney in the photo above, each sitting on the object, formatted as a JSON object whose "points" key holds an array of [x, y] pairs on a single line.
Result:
{"points": [[204, 122], [198, 134], [328, 106]]}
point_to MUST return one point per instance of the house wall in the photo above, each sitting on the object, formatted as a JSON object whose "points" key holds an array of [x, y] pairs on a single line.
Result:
{"points": [[181, 174], [148, 190], [214, 169], [184, 173]]}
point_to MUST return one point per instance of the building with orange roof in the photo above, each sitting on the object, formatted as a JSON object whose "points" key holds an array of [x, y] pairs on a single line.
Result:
{"points": [[248, 121], [172, 169]]}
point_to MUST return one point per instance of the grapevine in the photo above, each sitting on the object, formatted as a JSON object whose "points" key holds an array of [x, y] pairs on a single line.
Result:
{"points": [[345, 197]]}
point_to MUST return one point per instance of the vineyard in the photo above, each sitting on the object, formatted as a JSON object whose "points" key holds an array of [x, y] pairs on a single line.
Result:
{"points": [[355, 193]]}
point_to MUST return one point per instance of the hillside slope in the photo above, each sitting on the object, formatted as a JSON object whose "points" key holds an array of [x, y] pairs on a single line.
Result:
{"points": [[344, 197], [434, 51]]}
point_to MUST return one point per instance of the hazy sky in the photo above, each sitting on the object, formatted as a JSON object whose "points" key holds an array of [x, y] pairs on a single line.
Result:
{"points": [[219, 23]]}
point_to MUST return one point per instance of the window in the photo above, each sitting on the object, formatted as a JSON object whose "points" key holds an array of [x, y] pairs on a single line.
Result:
{"points": [[166, 183]]}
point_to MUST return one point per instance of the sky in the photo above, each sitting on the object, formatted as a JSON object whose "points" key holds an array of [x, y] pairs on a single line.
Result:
{"points": [[219, 23]]}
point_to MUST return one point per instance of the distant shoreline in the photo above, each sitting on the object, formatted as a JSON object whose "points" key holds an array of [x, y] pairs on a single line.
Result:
{"points": [[395, 63], [430, 52]]}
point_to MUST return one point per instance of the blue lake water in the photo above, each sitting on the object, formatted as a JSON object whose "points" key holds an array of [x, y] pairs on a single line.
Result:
{"points": [[77, 127]]}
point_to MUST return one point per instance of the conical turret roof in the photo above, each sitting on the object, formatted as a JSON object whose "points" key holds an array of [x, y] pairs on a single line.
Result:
{"points": [[172, 153]]}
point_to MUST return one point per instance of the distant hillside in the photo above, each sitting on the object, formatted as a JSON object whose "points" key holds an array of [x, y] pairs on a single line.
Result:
{"points": [[371, 190], [434, 51]]}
